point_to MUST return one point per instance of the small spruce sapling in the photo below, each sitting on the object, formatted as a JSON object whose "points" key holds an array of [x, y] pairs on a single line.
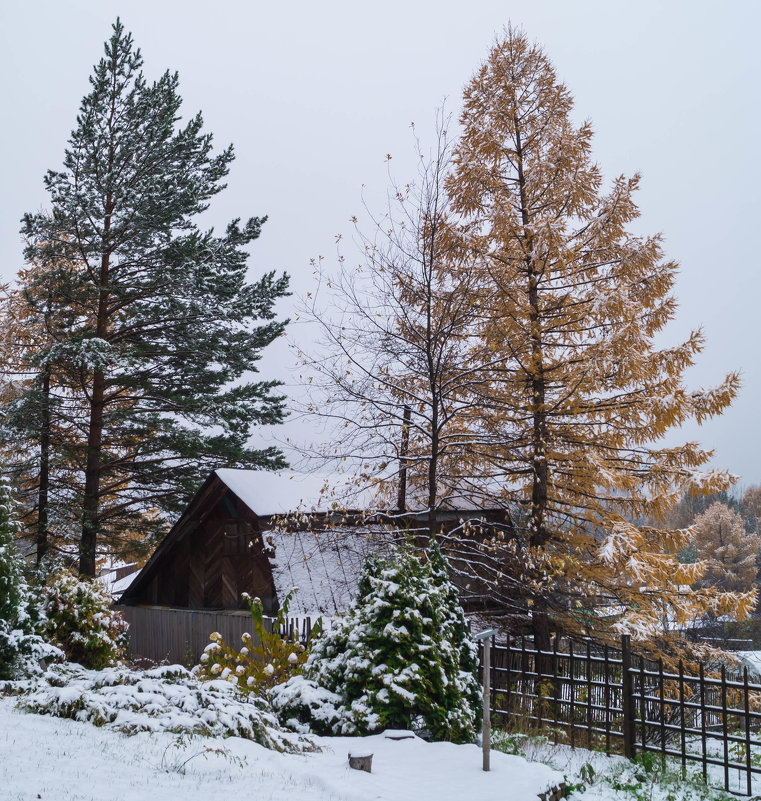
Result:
{"points": [[396, 660], [21, 618]]}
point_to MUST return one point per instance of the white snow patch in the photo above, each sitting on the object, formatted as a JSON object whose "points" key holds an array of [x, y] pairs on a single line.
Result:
{"points": [[71, 761]]}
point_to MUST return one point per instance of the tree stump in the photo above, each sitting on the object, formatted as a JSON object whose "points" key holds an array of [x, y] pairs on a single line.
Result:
{"points": [[361, 762]]}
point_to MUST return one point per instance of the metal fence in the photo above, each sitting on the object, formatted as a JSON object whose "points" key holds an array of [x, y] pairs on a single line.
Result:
{"points": [[621, 702]]}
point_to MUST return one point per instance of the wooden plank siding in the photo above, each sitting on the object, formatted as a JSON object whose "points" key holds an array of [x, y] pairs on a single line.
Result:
{"points": [[210, 558], [179, 636]]}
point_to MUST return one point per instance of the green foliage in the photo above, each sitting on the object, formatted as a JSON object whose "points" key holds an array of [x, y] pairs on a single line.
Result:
{"points": [[81, 623], [20, 615], [162, 331], [163, 699], [400, 658], [266, 658]]}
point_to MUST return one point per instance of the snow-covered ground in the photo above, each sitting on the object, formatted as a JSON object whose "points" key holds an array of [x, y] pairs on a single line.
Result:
{"points": [[55, 759]]}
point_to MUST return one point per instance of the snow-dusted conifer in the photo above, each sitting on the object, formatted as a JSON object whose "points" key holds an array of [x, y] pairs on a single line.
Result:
{"points": [[81, 622], [166, 331], [20, 616], [729, 550], [458, 649], [395, 660]]}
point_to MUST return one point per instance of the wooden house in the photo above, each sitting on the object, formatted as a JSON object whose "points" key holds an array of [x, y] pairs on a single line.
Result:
{"points": [[260, 533]]}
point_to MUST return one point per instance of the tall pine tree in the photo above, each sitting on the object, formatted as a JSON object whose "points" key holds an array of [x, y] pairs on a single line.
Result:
{"points": [[165, 330]]}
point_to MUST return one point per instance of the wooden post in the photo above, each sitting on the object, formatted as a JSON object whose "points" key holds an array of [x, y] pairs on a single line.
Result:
{"points": [[724, 732], [486, 726], [682, 720], [703, 723], [485, 639], [748, 754], [662, 713], [571, 677], [627, 699], [607, 702]]}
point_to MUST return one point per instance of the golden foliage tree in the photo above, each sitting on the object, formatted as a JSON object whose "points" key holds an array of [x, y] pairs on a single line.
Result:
{"points": [[573, 411], [728, 550], [750, 506]]}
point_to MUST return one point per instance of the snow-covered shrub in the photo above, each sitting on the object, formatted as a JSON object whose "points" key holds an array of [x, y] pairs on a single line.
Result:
{"points": [[163, 699], [458, 649], [399, 658], [304, 706], [81, 623], [20, 615], [265, 660]]}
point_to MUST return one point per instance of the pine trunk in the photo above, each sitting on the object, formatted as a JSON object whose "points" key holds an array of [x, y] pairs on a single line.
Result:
{"points": [[540, 621], [91, 505], [44, 486]]}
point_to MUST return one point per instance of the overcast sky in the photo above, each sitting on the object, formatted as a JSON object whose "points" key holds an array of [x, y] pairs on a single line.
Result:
{"points": [[314, 95]]}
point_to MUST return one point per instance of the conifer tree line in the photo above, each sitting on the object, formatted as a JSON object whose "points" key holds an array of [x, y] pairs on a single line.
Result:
{"points": [[502, 326], [132, 335]]}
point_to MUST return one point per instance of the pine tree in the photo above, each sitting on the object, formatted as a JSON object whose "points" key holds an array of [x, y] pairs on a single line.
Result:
{"points": [[41, 416], [573, 302], [20, 616], [164, 334], [730, 552], [399, 657]]}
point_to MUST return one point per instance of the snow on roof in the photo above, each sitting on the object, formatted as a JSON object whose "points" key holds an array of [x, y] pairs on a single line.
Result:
{"points": [[323, 566], [118, 586], [277, 493], [751, 660]]}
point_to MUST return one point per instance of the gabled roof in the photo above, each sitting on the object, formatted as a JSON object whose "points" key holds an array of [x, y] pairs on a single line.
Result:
{"points": [[270, 493], [324, 564]]}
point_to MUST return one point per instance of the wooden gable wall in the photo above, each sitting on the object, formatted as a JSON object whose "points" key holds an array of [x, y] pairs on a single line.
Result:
{"points": [[214, 554]]}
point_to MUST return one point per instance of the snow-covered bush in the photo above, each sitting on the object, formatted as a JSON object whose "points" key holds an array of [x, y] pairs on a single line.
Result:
{"points": [[81, 623], [163, 699], [266, 658], [400, 658], [20, 615], [304, 706]]}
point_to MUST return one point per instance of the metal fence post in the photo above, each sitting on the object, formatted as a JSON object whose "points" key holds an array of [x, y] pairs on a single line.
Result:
{"points": [[627, 698]]}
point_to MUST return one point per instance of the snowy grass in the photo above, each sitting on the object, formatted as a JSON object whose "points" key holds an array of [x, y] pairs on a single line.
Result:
{"points": [[594, 776], [69, 760]]}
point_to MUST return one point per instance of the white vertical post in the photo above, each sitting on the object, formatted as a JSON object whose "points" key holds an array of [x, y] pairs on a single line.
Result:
{"points": [[486, 726]]}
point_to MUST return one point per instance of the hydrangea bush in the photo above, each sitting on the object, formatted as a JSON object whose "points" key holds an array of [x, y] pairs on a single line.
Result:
{"points": [[81, 623], [21, 617], [399, 658], [266, 658]]}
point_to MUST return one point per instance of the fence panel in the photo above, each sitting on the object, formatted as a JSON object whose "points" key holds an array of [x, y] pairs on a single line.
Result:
{"points": [[614, 700], [178, 636]]}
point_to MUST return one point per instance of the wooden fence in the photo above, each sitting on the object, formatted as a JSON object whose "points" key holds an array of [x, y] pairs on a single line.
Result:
{"points": [[178, 636], [618, 701]]}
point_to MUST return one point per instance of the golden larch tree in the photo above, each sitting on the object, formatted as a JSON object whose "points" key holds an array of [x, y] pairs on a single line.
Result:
{"points": [[729, 551], [574, 409]]}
